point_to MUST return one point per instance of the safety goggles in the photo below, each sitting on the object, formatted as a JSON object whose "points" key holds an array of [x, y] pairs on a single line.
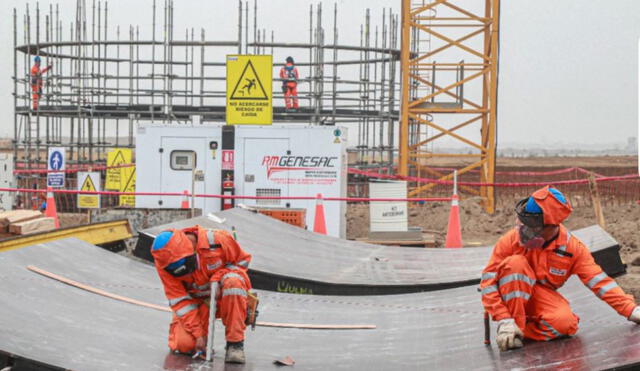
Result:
{"points": [[532, 220], [183, 266]]}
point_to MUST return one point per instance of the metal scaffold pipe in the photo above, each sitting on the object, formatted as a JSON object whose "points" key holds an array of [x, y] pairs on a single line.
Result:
{"points": [[103, 84]]}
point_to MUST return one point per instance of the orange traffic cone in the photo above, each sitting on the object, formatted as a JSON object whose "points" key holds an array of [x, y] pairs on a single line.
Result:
{"points": [[51, 211], [454, 234], [185, 200], [319, 225]]}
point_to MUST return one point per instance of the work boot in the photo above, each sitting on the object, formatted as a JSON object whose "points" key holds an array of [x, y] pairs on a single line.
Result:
{"points": [[235, 352]]}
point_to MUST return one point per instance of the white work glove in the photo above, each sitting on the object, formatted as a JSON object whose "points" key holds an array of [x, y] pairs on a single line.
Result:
{"points": [[509, 334], [635, 315]]}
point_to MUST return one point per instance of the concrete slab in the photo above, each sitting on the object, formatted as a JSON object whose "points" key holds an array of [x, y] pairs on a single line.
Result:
{"points": [[58, 325], [294, 260]]}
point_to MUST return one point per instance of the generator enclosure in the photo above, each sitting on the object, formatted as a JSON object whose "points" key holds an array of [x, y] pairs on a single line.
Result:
{"points": [[6, 181], [263, 161]]}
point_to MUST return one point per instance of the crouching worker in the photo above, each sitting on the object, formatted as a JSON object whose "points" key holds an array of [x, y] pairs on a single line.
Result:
{"points": [[187, 261], [530, 262]]}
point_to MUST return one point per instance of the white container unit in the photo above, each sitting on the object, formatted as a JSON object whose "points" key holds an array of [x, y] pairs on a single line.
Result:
{"points": [[165, 156], [388, 216], [6, 180], [276, 160]]}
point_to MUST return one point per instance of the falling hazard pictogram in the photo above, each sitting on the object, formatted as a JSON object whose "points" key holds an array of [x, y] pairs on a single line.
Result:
{"points": [[249, 86]]}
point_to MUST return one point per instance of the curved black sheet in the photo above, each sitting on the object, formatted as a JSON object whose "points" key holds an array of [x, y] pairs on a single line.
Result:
{"points": [[54, 324], [291, 259]]}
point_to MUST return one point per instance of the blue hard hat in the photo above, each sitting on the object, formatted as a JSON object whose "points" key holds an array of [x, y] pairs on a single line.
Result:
{"points": [[558, 195], [532, 206], [161, 240], [36, 59]]}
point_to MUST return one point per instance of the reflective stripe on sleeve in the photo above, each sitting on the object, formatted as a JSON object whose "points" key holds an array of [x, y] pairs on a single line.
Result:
{"points": [[516, 294], [606, 288], [595, 280], [202, 294], [231, 266], [200, 287], [243, 263], [231, 275], [234, 291], [488, 275], [186, 309], [516, 277], [553, 331], [175, 301], [489, 289], [211, 237]]}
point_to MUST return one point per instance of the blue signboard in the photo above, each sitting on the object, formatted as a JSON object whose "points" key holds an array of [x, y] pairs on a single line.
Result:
{"points": [[56, 163]]}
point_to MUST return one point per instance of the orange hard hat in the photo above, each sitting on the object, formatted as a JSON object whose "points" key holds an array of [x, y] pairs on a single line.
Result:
{"points": [[170, 246], [547, 204]]}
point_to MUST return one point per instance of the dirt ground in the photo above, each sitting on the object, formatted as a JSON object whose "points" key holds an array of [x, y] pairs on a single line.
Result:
{"points": [[481, 229]]}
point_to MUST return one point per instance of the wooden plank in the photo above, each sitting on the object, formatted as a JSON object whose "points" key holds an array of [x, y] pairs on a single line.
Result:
{"points": [[595, 200], [17, 216], [141, 303], [33, 226], [95, 234], [427, 240]]}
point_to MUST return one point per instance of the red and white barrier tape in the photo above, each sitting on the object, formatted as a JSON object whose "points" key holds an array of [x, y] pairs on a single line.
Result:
{"points": [[234, 197], [479, 184]]}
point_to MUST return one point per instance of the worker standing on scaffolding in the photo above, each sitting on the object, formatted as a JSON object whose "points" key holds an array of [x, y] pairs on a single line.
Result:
{"points": [[36, 81], [289, 76]]}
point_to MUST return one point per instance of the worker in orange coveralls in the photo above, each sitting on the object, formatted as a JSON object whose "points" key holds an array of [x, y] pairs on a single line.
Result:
{"points": [[36, 81], [187, 260], [530, 262], [289, 76]]}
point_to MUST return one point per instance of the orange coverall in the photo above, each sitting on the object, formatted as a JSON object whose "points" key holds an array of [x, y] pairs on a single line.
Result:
{"points": [[36, 83], [289, 75], [220, 259], [521, 283]]}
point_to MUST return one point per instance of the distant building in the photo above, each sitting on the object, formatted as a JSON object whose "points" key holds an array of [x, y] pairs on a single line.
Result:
{"points": [[632, 145]]}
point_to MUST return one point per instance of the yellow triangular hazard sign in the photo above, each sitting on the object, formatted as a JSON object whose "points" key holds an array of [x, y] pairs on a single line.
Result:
{"points": [[88, 185], [249, 86], [118, 159]]}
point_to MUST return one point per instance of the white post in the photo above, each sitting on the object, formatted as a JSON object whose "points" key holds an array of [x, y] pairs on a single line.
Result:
{"points": [[455, 182], [212, 319]]}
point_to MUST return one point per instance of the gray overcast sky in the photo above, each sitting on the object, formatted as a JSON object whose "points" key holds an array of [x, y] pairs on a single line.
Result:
{"points": [[568, 69]]}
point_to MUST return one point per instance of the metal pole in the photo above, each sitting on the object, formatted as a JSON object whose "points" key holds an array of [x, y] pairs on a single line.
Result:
{"points": [[455, 182], [239, 26], [153, 60], [212, 320], [403, 161], [16, 139]]}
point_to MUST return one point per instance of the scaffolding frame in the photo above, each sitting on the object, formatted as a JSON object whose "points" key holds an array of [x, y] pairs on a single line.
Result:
{"points": [[103, 82], [425, 102]]}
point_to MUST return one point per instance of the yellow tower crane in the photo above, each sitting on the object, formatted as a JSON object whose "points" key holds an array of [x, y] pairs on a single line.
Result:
{"points": [[449, 80]]}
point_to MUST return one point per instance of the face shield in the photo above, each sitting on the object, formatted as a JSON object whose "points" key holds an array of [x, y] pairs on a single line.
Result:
{"points": [[183, 266], [530, 226]]}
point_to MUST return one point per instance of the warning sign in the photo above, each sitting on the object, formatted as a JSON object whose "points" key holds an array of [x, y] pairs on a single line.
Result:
{"points": [[115, 177], [249, 89], [89, 182], [128, 186]]}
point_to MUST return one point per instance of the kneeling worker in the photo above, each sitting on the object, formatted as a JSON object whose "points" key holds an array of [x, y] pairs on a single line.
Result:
{"points": [[530, 262], [187, 260]]}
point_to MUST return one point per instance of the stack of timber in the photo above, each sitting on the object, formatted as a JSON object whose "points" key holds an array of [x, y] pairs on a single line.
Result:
{"points": [[21, 222]]}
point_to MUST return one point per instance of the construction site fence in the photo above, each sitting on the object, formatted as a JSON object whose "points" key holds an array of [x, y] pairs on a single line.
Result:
{"points": [[614, 187], [64, 196]]}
